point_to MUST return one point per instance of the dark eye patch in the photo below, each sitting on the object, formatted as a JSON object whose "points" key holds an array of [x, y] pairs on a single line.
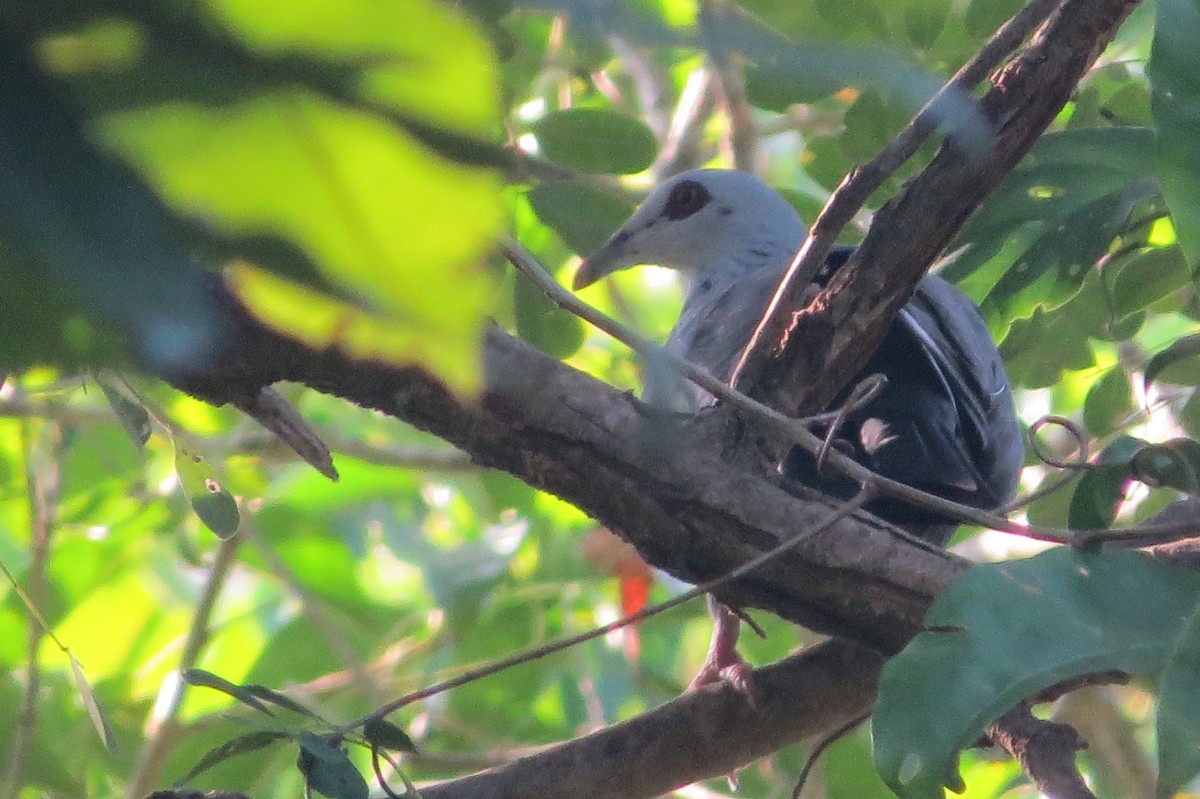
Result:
{"points": [[686, 199]]}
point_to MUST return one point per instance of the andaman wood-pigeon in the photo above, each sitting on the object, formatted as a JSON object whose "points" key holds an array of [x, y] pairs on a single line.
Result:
{"points": [[944, 423]]}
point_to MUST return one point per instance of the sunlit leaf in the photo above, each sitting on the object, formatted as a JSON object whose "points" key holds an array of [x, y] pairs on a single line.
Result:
{"points": [[213, 504], [1018, 627], [92, 705]]}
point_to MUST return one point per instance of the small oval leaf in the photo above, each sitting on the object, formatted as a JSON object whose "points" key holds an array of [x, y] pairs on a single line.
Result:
{"points": [[583, 216], [214, 506], [240, 745], [386, 735], [542, 323], [328, 770], [1180, 351], [596, 140]]}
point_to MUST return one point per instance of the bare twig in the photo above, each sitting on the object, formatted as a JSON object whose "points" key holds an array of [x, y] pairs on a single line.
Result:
{"points": [[41, 483], [743, 135], [815, 755], [164, 729], [1045, 749]]}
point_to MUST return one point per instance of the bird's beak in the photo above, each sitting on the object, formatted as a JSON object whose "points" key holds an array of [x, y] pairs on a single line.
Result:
{"points": [[608, 259]]}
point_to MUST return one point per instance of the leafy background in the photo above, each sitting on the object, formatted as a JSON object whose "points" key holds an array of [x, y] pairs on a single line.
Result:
{"points": [[350, 165]]}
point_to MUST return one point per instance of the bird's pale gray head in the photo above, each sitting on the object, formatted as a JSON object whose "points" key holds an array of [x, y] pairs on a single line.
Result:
{"points": [[698, 221]]}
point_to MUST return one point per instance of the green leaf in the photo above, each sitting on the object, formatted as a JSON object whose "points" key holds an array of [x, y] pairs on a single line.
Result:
{"points": [[1174, 70], [250, 742], [327, 769], [1102, 488], [276, 698], [92, 705], [1108, 402], [583, 216], [1148, 277], [386, 735], [1063, 174], [543, 324], [1019, 627], [1178, 355], [596, 140], [214, 506], [134, 419], [924, 20], [1178, 723], [1173, 464], [206, 679]]}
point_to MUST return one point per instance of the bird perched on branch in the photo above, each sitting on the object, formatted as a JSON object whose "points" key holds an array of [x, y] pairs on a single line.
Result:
{"points": [[944, 422]]}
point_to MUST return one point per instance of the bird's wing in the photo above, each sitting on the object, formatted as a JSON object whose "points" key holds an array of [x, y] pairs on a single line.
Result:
{"points": [[957, 344]]}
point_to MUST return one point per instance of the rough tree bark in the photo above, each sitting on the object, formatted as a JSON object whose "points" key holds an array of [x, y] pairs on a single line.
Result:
{"points": [[694, 514]]}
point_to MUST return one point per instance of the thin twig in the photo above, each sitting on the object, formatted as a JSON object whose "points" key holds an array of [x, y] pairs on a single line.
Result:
{"points": [[841, 512], [165, 729], [743, 136], [41, 486], [818, 750]]}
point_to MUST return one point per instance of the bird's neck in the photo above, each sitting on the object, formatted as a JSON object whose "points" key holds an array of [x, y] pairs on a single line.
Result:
{"points": [[767, 249]]}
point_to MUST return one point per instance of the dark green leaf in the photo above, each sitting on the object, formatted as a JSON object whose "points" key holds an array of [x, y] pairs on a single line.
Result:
{"points": [[1148, 277], [1173, 464], [386, 735], [1178, 723], [1177, 355], [1102, 488], [1175, 103], [583, 216], [276, 698], [924, 20], [1108, 402], [328, 769], [214, 506], [542, 323], [134, 419], [1063, 174], [983, 17], [207, 679], [1052, 270], [1019, 627], [240, 745], [595, 140]]}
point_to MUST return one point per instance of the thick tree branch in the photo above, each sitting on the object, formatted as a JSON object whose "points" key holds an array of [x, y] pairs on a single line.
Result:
{"points": [[702, 734], [804, 355]]}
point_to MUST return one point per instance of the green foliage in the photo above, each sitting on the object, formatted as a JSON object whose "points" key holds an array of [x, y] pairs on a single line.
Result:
{"points": [[1004, 632], [347, 167]]}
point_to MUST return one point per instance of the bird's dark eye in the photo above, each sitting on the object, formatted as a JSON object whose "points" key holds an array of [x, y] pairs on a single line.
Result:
{"points": [[686, 199]]}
